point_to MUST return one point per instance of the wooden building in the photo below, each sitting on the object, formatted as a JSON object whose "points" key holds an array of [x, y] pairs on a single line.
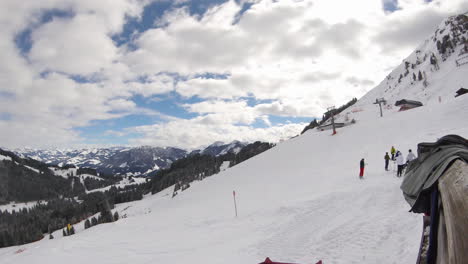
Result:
{"points": [[330, 126], [405, 104]]}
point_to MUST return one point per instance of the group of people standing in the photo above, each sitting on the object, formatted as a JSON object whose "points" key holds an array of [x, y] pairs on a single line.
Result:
{"points": [[397, 156]]}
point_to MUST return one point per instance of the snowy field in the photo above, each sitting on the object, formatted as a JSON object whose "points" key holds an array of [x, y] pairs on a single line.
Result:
{"points": [[299, 202]]}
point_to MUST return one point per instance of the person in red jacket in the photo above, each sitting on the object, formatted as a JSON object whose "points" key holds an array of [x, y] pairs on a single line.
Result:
{"points": [[361, 172]]}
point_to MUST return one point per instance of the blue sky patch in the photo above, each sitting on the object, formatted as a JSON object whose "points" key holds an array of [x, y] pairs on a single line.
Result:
{"points": [[252, 101], [212, 75], [168, 104], [5, 116], [98, 131], [7, 95], [151, 12], [246, 6], [390, 6]]}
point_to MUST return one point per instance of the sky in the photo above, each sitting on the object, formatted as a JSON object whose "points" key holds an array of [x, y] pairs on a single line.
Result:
{"points": [[183, 73]]}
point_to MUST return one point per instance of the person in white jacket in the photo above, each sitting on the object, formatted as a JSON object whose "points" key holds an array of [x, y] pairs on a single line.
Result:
{"points": [[400, 160], [410, 156]]}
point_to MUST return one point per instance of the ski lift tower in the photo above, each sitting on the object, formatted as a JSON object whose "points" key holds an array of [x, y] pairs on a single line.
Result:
{"points": [[330, 109], [379, 101]]}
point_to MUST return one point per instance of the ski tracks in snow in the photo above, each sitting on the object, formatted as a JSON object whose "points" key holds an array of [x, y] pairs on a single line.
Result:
{"points": [[329, 228]]}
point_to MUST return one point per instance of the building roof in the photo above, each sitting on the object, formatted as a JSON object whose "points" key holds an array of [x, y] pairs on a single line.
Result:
{"points": [[461, 91], [408, 102]]}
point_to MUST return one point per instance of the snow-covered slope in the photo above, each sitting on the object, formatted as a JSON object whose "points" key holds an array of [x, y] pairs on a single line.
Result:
{"points": [[298, 202], [449, 45]]}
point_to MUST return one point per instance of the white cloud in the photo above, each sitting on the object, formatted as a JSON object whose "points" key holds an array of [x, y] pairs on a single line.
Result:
{"points": [[121, 104], [209, 88], [153, 85], [45, 110], [82, 47], [223, 112], [295, 57], [241, 112], [225, 107], [194, 133]]}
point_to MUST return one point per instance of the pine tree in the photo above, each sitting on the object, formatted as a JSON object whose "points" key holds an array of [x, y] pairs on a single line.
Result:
{"points": [[116, 216], [414, 77], [87, 224], [94, 221], [420, 76], [105, 217], [64, 233], [72, 230]]}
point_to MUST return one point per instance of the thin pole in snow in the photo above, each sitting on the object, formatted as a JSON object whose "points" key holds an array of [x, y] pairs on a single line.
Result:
{"points": [[235, 204]]}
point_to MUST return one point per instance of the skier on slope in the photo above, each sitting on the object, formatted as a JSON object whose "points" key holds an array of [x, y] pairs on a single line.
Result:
{"points": [[392, 151], [68, 229], [400, 160], [387, 159], [410, 156], [361, 166]]}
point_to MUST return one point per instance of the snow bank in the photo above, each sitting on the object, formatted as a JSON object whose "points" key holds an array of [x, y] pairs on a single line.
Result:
{"points": [[4, 157]]}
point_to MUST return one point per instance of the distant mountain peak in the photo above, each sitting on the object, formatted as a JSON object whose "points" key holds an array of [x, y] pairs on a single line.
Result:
{"points": [[217, 144], [221, 148]]}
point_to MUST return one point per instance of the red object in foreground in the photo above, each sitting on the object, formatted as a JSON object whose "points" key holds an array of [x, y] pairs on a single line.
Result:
{"points": [[268, 261]]}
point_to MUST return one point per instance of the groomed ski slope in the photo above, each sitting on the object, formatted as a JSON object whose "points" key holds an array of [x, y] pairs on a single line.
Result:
{"points": [[299, 202]]}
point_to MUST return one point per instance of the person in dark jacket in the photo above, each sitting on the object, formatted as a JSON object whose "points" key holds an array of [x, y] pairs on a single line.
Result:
{"points": [[387, 159], [361, 172]]}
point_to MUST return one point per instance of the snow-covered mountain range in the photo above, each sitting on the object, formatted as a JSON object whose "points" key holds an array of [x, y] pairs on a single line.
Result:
{"points": [[123, 160], [302, 200]]}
